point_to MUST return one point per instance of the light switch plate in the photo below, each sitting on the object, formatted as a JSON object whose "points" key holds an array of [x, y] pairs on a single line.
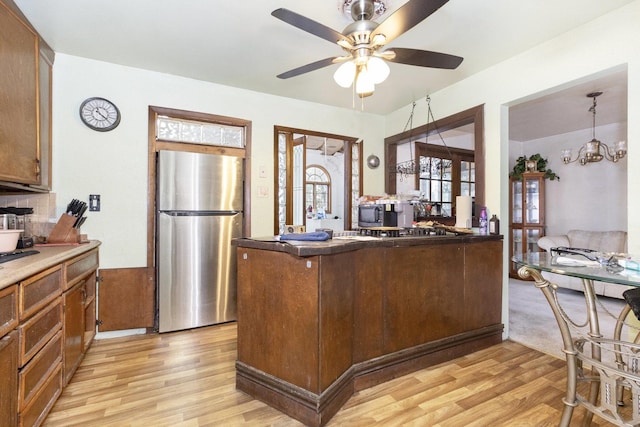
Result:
{"points": [[94, 202]]}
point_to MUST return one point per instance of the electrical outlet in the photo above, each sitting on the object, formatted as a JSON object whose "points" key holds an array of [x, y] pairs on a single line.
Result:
{"points": [[94, 202]]}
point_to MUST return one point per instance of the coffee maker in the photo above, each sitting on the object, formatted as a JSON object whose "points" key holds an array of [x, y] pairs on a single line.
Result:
{"points": [[397, 213]]}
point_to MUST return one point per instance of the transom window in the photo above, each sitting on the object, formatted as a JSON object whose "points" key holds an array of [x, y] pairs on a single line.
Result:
{"points": [[318, 189]]}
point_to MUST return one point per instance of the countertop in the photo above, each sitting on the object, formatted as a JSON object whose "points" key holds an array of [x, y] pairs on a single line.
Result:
{"points": [[14, 271], [346, 244]]}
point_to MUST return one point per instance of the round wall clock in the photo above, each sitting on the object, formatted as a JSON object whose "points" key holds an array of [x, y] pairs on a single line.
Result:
{"points": [[99, 114]]}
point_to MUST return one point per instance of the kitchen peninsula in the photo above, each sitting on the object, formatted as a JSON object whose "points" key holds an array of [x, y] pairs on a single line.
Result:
{"points": [[318, 321]]}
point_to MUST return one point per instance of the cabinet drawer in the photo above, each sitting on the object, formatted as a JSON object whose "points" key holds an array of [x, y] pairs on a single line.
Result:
{"points": [[36, 332], [38, 408], [79, 267], [8, 309], [36, 372], [37, 291]]}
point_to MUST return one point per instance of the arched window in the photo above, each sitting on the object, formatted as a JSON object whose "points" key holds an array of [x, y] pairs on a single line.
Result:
{"points": [[318, 189]]}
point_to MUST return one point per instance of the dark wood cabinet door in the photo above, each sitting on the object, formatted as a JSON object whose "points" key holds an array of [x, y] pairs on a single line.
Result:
{"points": [[19, 82], [482, 300], [9, 383], [127, 299], [73, 329]]}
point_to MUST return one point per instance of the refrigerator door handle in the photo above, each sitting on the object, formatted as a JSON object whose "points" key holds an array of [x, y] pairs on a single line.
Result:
{"points": [[200, 213]]}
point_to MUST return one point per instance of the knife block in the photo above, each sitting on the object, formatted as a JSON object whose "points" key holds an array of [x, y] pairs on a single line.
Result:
{"points": [[63, 231]]}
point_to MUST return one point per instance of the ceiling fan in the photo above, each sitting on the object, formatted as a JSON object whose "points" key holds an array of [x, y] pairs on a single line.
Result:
{"points": [[364, 62]]}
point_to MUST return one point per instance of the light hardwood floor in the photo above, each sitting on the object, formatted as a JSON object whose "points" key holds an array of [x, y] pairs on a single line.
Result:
{"points": [[188, 379]]}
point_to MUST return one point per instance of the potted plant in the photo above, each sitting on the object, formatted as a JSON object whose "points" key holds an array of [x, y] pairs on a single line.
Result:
{"points": [[534, 163]]}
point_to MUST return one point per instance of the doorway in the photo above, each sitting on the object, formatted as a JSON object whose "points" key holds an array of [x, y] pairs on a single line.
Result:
{"points": [[318, 179], [559, 118]]}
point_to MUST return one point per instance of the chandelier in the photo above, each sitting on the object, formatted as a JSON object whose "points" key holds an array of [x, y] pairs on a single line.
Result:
{"points": [[591, 151]]}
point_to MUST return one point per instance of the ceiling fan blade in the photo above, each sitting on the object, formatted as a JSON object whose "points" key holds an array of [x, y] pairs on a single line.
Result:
{"points": [[423, 58], [307, 68], [309, 25], [406, 17]]}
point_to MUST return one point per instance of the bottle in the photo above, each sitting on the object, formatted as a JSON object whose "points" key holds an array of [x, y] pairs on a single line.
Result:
{"points": [[483, 221], [494, 225]]}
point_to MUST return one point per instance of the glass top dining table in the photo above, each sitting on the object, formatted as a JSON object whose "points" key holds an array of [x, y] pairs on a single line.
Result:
{"points": [[608, 377], [543, 261]]}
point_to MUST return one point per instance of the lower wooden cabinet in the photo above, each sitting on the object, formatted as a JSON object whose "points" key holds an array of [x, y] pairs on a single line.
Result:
{"points": [[127, 298], [79, 310], [47, 323]]}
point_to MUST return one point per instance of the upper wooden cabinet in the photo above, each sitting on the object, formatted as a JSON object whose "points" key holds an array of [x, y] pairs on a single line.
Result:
{"points": [[25, 79]]}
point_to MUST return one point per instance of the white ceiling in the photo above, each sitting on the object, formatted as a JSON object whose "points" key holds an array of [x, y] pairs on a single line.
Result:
{"points": [[567, 109], [239, 43]]}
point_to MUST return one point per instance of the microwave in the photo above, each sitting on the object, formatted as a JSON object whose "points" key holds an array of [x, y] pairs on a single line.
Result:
{"points": [[370, 215], [399, 214]]}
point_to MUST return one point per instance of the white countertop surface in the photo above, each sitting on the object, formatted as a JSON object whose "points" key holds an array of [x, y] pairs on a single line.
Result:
{"points": [[12, 272]]}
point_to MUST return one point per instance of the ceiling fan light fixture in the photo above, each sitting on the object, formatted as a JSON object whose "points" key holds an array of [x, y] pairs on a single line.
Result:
{"points": [[364, 66], [345, 74], [378, 69]]}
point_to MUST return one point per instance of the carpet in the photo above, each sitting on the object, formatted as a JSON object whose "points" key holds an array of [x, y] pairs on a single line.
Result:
{"points": [[532, 323]]}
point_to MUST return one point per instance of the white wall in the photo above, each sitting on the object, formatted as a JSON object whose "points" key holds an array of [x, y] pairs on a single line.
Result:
{"points": [[114, 164], [591, 197]]}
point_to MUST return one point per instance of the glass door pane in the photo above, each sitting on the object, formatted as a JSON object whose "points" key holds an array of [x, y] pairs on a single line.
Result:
{"points": [[517, 202], [533, 202], [533, 234], [517, 241]]}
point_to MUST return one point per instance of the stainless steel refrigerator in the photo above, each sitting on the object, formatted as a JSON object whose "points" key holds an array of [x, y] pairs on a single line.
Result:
{"points": [[199, 211]]}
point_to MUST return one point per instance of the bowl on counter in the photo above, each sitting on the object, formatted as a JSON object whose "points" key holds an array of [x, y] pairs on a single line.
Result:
{"points": [[9, 240]]}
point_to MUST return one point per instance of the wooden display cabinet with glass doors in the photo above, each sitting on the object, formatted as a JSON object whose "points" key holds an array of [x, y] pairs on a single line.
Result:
{"points": [[526, 215]]}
